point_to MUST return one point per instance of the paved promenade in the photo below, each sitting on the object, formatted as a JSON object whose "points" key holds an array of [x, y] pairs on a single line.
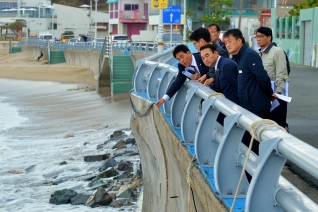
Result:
{"points": [[302, 115]]}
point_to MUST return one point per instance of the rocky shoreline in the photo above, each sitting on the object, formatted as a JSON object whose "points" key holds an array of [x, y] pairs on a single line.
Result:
{"points": [[116, 183]]}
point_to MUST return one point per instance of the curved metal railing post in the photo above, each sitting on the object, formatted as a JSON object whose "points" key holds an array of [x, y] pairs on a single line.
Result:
{"points": [[220, 148]]}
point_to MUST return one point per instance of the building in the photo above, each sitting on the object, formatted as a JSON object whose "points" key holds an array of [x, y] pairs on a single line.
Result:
{"points": [[40, 15], [128, 16]]}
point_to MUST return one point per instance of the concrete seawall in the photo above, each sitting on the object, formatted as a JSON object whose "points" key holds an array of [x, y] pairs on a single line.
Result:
{"points": [[165, 162], [4, 45], [88, 59], [78, 57], [34, 50]]}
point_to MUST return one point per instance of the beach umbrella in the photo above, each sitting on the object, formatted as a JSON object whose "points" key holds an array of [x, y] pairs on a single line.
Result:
{"points": [[13, 9], [23, 9], [84, 6], [32, 9], [47, 6], [5, 10]]}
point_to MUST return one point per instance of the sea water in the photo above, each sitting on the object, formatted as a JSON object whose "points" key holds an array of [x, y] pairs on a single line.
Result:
{"points": [[34, 119]]}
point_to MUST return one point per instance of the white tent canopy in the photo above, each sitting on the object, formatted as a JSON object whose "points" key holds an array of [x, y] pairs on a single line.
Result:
{"points": [[84, 6]]}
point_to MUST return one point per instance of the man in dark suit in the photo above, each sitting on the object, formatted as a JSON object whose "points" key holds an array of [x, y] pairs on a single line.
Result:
{"points": [[226, 72], [201, 37], [215, 32], [190, 67]]}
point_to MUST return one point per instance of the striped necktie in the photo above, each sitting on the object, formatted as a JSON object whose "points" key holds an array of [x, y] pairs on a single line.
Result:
{"points": [[196, 70]]}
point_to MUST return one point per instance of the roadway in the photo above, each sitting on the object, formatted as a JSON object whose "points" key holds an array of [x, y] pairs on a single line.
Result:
{"points": [[302, 117]]}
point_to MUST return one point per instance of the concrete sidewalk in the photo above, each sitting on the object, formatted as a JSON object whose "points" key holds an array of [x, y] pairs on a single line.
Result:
{"points": [[302, 117]]}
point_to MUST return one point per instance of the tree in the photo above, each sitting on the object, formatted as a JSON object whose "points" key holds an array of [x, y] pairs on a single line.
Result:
{"points": [[218, 13], [16, 26], [303, 5]]}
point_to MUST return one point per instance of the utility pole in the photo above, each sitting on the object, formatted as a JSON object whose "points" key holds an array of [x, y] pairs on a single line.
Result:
{"points": [[185, 22], [90, 18], [240, 16], [96, 1]]}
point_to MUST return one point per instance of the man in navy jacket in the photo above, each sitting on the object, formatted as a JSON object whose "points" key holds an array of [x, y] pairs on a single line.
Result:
{"points": [[226, 72], [254, 85], [186, 59]]}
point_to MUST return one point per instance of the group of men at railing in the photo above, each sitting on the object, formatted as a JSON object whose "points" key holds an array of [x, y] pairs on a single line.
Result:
{"points": [[255, 81]]}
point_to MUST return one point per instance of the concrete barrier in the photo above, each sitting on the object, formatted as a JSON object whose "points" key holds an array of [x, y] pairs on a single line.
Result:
{"points": [[4, 45], [88, 59], [35, 51], [165, 162], [78, 57]]}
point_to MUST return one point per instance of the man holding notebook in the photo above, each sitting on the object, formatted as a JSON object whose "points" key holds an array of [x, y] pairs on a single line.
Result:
{"points": [[190, 67]]}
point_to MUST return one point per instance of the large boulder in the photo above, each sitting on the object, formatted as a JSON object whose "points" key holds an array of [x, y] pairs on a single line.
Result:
{"points": [[93, 158], [131, 141], [62, 196], [117, 133], [125, 166], [99, 197], [79, 199], [110, 172], [126, 194], [110, 162], [120, 144]]}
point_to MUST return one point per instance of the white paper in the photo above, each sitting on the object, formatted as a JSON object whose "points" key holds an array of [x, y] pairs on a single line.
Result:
{"points": [[190, 69], [285, 91], [284, 98], [275, 104], [187, 74]]}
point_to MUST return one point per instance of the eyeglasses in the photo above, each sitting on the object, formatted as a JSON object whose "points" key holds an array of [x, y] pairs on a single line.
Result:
{"points": [[213, 32], [260, 36]]}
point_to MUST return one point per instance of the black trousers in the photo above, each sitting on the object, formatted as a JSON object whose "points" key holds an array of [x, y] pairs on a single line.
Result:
{"points": [[264, 114], [279, 114]]}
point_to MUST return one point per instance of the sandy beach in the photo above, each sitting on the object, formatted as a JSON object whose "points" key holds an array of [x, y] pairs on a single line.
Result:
{"points": [[25, 67], [46, 120]]}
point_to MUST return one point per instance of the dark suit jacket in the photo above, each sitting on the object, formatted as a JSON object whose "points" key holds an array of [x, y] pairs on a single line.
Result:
{"points": [[226, 78], [222, 53], [181, 78]]}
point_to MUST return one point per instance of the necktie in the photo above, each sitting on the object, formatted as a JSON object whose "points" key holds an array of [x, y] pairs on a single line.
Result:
{"points": [[196, 70]]}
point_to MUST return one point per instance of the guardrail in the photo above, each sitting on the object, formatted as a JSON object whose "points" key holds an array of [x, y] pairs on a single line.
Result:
{"points": [[64, 45], [219, 150], [105, 51], [148, 47]]}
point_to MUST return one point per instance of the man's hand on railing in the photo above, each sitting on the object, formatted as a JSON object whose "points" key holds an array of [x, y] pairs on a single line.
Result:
{"points": [[160, 102], [202, 79]]}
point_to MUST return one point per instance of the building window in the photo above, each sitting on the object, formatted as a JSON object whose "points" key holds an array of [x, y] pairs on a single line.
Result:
{"points": [[113, 11], [131, 6]]}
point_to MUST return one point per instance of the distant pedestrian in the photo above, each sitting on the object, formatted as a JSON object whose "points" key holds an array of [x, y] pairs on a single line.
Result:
{"points": [[215, 32], [41, 55]]}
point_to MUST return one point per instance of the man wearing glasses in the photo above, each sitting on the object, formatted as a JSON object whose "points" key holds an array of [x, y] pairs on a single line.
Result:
{"points": [[214, 30], [274, 61]]}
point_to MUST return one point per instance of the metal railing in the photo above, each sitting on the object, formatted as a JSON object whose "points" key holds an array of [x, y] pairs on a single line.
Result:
{"points": [[219, 148], [106, 50], [64, 45], [147, 47]]}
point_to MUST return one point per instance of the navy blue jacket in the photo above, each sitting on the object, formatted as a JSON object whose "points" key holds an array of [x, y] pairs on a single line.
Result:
{"points": [[225, 80], [254, 85], [181, 78]]}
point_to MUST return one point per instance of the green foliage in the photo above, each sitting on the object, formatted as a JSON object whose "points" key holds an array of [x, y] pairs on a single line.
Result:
{"points": [[218, 14], [190, 12], [16, 26], [302, 5]]}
